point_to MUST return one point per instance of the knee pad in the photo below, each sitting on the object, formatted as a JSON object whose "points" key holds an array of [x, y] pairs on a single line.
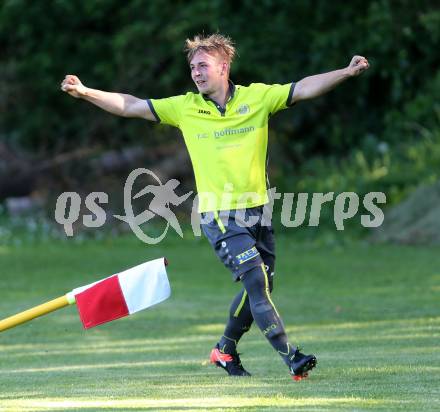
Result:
{"points": [[257, 287], [254, 280]]}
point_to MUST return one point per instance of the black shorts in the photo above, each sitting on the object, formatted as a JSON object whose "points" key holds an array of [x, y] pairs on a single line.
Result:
{"points": [[239, 245]]}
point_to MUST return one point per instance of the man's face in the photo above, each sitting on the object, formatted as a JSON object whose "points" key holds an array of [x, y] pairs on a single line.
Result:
{"points": [[208, 71]]}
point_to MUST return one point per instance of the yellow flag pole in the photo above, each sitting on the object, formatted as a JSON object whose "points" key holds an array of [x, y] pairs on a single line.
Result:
{"points": [[36, 311]]}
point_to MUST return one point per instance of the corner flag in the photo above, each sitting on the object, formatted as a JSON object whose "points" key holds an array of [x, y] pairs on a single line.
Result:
{"points": [[114, 297]]}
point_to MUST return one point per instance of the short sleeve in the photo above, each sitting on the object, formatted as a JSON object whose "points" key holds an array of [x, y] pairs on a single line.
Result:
{"points": [[167, 110], [276, 97]]}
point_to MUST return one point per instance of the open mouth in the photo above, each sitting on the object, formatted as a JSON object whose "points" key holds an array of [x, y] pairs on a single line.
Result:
{"points": [[200, 82]]}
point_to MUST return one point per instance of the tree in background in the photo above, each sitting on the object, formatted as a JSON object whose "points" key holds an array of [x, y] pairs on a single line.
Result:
{"points": [[136, 47]]}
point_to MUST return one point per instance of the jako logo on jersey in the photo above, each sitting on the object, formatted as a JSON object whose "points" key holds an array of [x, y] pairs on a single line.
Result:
{"points": [[245, 256], [243, 109], [204, 111]]}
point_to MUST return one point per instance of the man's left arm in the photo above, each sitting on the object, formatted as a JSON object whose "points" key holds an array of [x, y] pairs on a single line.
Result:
{"points": [[314, 86]]}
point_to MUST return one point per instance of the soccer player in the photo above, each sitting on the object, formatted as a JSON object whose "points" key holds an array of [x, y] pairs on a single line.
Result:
{"points": [[225, 128]]}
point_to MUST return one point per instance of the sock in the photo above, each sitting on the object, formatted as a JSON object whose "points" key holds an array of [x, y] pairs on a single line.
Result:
{"points": [[256, 284], [239, 322]]}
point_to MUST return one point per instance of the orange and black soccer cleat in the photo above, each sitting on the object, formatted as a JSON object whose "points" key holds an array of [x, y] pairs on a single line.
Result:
{"points": [[230, 362], [301, 364]]}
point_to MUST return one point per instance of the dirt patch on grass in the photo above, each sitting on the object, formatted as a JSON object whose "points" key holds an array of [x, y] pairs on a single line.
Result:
{"points": [[414, 221]]}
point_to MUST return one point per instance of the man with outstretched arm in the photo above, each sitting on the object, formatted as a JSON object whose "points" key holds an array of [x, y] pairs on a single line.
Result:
{"points": [[225, 128]]}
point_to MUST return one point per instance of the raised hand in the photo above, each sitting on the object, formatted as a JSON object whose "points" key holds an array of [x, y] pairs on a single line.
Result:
{"points": [[72, 85], [357, 65]]}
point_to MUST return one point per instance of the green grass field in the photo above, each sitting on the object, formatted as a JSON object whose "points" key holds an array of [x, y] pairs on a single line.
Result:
{"points": [[371, 314]]}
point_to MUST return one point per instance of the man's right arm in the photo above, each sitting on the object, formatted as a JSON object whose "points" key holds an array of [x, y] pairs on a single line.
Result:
{"points": [[116, 103]]}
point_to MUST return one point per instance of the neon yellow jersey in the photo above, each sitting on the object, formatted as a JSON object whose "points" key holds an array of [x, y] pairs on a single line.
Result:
{"points": [[227, 146]]}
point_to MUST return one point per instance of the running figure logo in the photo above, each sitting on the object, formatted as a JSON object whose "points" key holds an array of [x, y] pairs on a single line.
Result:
{"points": [[163, 196]]}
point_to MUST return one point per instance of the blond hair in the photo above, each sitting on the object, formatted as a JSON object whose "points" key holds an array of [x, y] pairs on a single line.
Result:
{"points": [[214, 43]]}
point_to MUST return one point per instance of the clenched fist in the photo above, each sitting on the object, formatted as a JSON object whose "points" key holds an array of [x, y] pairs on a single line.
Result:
{"points": [[72, 85], [357, 65]]}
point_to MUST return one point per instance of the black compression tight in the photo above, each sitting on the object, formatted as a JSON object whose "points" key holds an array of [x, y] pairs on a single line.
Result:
{"points": [[254, 303]]}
